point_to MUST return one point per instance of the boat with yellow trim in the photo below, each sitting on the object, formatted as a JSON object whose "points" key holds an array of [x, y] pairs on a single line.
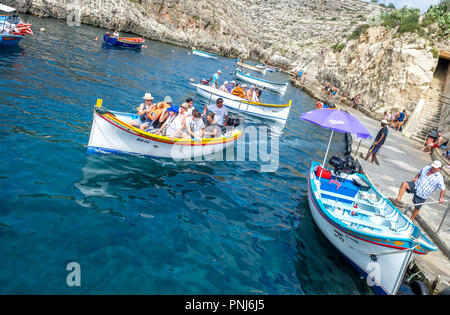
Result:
{"points": [[257, 68], [112, 133], [276, 112]]}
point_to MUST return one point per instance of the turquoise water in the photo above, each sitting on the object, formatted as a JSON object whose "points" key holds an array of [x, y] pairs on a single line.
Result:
{"points": [[140, 225]]}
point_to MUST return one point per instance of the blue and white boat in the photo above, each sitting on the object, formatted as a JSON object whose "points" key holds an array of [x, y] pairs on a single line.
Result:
{"points": [[277, 112], [365, 227], [272, 86], [204, 54], [257, 68]]}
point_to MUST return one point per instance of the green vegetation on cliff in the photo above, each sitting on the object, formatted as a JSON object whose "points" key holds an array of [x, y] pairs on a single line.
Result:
{"points": [[408, 19]]}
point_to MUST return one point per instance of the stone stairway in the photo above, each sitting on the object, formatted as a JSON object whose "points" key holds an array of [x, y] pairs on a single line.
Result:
{"points": [[432, 110]]}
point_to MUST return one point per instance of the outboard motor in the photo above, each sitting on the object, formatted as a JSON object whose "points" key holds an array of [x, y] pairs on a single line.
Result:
{"points": [[338, 163]]}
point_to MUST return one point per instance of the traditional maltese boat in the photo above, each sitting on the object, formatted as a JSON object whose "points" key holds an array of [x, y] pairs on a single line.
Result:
{"points": [[112, 133], [364, 226], [128, 42], [272, 86], [257, 68], [370, 232], [12, 27], [204, 54], [269, 111]]}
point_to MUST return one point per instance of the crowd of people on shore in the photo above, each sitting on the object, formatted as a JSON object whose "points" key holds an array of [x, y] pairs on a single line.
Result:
{"points": [[253, 93], [166, 119]]}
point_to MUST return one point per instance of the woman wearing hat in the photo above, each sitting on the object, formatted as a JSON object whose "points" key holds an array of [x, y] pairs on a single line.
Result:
{"points": [[142, 109]]}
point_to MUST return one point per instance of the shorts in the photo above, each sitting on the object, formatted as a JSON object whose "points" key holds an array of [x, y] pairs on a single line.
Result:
{"points": [[374, 148], [416, 199]]}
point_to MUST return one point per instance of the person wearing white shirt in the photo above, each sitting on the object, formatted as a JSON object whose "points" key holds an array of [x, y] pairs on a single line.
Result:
{"points": [[195, 125], [220, 112], [422, 186]]}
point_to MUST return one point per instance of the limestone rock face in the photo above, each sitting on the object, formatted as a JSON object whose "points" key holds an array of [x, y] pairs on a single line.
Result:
{"points": [[388, 71]]}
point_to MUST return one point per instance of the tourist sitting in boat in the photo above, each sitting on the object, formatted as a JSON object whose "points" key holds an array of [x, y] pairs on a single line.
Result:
{"points": [[212, 129], [249, 93], [142, 110], [220, 112], [319, 105], [238, 91], [194, 125], [174, 122], [257, 95], [190, 104], [223, 87], [155, 117], [115, 34]]}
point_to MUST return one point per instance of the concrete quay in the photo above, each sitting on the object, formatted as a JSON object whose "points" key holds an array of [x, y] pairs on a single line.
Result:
{"points": [[400, 159]]}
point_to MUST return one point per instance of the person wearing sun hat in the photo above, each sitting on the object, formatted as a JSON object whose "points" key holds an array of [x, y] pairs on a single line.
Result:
{"points": [[142, 109], [422, 186], [379, 141]]}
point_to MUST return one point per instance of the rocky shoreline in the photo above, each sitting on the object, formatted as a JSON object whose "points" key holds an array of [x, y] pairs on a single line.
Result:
{"points": [[388, 71]]}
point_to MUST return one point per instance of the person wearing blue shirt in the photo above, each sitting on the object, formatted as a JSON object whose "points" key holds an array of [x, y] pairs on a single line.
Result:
{"points": [[400, 120], [379, 141], [215, 79]]}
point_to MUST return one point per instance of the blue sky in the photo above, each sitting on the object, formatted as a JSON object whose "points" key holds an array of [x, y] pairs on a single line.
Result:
{"points": [[423, 5]]}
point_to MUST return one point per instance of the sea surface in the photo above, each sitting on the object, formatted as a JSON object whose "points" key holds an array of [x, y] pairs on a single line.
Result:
{"points": [[138, 225]]}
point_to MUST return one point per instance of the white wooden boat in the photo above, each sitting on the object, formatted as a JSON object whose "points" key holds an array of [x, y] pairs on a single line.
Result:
{"points": [[272, 86], [269, 111], [112, 133], [373, 235], [204, 54], [257, 68]]}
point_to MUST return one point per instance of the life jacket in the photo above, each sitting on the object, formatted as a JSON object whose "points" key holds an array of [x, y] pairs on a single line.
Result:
{"points": [[155, 114]]}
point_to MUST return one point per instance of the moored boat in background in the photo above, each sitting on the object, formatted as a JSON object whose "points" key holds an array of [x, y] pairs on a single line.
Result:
{"points": [[204, 54], [272, 86], [128, 42], [12, 27], [257, 68]]}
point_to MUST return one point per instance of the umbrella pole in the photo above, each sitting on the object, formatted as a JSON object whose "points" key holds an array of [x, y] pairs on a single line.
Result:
{"points": [[328, 147]]}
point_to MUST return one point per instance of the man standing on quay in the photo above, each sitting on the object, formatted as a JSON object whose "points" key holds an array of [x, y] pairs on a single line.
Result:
{"points": [[379, 141], [422, 186]]}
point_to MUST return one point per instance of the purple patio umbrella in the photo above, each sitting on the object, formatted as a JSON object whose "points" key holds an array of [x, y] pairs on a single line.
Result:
{"points": [[336, 120]]}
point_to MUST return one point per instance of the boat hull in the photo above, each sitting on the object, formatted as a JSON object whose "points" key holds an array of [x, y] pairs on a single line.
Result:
{"points": [[10, 40], [382, 266], [236, 103], [272, 86], [134, 43], [204, 54], [112, 134], [261, 70]]}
